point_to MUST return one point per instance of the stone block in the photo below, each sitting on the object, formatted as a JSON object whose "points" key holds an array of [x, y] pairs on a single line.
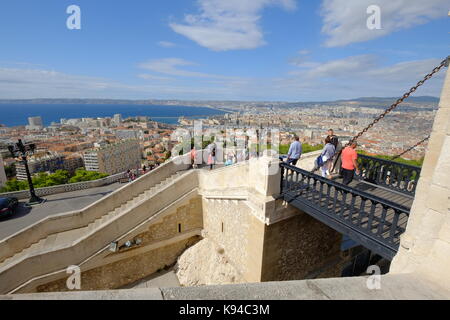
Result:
{"points": [[442, 172], [441, 120], [432, 155], [437, 199], [444, 233], [437, 265]]}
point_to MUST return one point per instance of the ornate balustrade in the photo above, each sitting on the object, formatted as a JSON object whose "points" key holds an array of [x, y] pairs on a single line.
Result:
{"points": [[371, 221], [389, 174]]}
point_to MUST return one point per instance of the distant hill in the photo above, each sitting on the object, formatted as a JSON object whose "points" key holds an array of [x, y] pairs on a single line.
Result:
{"points": [[420, 101]]}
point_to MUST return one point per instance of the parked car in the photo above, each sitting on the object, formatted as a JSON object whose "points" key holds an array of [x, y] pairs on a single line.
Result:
{"points": [[8, 206]]}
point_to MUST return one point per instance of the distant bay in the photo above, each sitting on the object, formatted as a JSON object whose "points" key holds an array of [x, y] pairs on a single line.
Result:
{"points": [[18, 114]]}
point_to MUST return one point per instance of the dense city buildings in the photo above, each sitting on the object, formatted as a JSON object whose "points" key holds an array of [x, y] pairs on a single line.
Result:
{"points": [[48, 163], [114, 158], [153, 141]]}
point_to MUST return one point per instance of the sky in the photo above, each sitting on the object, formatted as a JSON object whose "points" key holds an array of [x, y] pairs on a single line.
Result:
{"points": [[264, 50]]}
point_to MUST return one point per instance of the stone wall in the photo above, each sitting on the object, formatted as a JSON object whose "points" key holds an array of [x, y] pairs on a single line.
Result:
{"points": [[123, 272], [298, 247], [131, 265], [185, 218], [425, 246], [264, 238], [233, 227]]}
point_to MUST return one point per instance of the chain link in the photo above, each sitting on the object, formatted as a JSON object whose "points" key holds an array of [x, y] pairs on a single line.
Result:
{"points": [[444, 63], [409, 149]]}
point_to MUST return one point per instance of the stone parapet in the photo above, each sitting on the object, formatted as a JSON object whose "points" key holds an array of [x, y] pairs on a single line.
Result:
{"points": [[393, 287]]}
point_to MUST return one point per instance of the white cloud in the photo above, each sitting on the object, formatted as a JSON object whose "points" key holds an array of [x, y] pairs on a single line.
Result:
{"points": [[358, 76], [171, 66], [34, 83], [147, 76], [355, 76], [345, 21], [166, 44], [228, 25], [343, 67], [40, 83]]}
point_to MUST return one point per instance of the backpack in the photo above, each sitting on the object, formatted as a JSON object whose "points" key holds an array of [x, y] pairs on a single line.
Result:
{"points": [[319, 161]]}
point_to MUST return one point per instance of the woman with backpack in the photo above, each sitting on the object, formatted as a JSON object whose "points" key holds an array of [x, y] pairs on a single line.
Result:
{"points": [[325, 160]]}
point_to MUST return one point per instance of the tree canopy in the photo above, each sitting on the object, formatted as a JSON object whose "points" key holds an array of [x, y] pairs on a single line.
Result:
{"points": [[60, 177]]}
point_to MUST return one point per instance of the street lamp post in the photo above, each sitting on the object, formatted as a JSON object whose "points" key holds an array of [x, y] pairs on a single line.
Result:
{"points": [[23, 151]]}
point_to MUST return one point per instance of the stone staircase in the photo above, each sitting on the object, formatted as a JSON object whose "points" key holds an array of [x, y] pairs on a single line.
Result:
{"points": [[67, 238]]}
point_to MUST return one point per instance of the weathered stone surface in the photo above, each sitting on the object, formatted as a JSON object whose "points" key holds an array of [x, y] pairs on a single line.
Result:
{"points": [[297, 247], [205, 263], [126, 271]]}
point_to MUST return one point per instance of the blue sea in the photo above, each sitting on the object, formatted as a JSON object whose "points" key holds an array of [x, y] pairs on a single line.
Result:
{"points": [[18, 114]]}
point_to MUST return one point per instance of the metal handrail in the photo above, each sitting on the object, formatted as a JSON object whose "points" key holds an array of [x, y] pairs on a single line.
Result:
{"points": [[348, 189], [408, 166], [374, 222], [390, 174]]}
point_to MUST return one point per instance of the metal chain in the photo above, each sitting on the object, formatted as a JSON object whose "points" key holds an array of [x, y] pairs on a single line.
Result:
{"points": [[409, 149], [444, 63]]}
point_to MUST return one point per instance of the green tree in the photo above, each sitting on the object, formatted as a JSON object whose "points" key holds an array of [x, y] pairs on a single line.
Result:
{"points": [[417, 163], [82, 175], [14, 185], [10, 171]]}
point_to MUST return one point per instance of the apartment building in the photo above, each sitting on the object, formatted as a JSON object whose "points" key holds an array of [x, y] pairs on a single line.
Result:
{"points": [[114, 158], [49, 163]]}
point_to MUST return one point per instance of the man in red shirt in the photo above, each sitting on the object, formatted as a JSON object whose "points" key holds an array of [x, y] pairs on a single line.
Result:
{"points": [[349, 163]]}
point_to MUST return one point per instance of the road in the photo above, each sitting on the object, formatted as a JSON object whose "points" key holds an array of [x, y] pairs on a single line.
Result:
{"points": [[55, 204]]}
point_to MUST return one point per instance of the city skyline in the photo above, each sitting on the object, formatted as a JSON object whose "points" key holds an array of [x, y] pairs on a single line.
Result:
{"points": [[261, 50]]}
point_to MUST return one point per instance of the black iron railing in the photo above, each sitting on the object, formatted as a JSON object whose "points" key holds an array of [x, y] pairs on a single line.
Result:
{"points": [[389, 174], [371, 221]]}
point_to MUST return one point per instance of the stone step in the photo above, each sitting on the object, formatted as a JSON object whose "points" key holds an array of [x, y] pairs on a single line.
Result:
{"points": [[68, 237]]}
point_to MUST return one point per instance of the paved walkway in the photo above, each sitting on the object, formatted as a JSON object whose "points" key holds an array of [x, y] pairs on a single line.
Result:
{"points": [[55, 204]]}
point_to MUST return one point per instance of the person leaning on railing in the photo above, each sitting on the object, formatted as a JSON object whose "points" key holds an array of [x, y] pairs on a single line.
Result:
{"points": [[349, 163]]}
